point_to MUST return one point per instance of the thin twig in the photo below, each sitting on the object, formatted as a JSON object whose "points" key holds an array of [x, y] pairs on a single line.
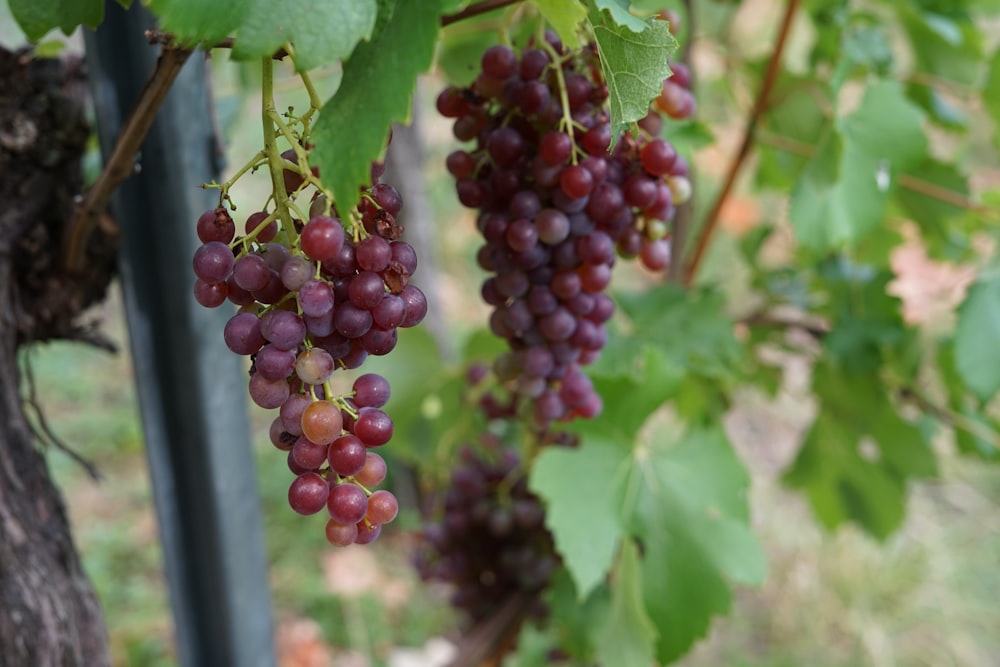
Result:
{"points": [[816, 328], [760, 105], [120, 164], [956, 421], [47, 434], [476, 9]]}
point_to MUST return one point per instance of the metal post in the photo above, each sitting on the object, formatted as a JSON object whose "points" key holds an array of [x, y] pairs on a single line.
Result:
{"points": [[191, 387]]}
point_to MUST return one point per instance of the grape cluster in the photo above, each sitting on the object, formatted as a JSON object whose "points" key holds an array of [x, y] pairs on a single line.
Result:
{"points": [[492, 542], [313, 299], [556, 207]]}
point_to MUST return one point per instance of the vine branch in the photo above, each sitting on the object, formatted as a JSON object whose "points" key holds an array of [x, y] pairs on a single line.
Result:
{"points": [[120, 164], [759, 106]]}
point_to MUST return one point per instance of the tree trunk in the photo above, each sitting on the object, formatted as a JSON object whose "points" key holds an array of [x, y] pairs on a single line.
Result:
{"points": [[49, 614]]}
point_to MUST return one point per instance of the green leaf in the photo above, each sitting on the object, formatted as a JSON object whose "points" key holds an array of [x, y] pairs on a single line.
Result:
{"points": [[579, 491], [938, 107], [620, 14], [974, 437], [37, 17], [689, 509], [887, 127], [376, 89], [991, 96], [627, 635], [858, 455], [947, 47], [574, 620], [690, 327], [977, 352], [937, 218], [193, 21], [634, 65], [866, 319], [842, 194], [565, 16], [322, 32]]}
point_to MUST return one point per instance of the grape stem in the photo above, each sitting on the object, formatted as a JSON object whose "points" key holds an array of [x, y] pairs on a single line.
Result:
{"points": [[256, 161], [567, 119], [759, 107], [275, 161]]}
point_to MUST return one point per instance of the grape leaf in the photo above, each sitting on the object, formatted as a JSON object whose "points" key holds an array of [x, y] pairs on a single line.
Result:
{"points": [[193, 21], [991, 95], [578, 488], [947, 47], [887, 127], [858, 455], [634, 65], [38, 17], [977, 354], [689, 508], [376, 89], [842, 193], [978, 435], [322, 32], [619, 12], [940, 221], [565, 17], [690, 327], [627, 635]]}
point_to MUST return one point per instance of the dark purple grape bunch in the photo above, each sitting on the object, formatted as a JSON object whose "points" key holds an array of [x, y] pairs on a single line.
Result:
{"points": [[491, 542], [556, 209], [314, 300]]}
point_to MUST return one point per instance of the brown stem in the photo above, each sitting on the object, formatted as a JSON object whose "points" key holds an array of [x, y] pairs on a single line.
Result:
{"points": [[120, 165], [934, 191], [760, 105], [476, 9]]}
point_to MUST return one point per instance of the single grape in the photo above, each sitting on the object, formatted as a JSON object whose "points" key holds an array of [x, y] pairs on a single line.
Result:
{"points": [[371, 391], [373, 472], [268, 394], [216, 225], [308, 493], [242, 333], [322, 238], [291, 411], [373, 426], [322, 422], [316, 297], [382, 507], [308, 454], [213, 262], [314, 366], [346, 455], [347, 503], [210, 295], [341, 535]]}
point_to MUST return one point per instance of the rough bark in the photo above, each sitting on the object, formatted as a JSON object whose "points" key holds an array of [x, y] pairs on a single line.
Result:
{"points": [[49, 614]]}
